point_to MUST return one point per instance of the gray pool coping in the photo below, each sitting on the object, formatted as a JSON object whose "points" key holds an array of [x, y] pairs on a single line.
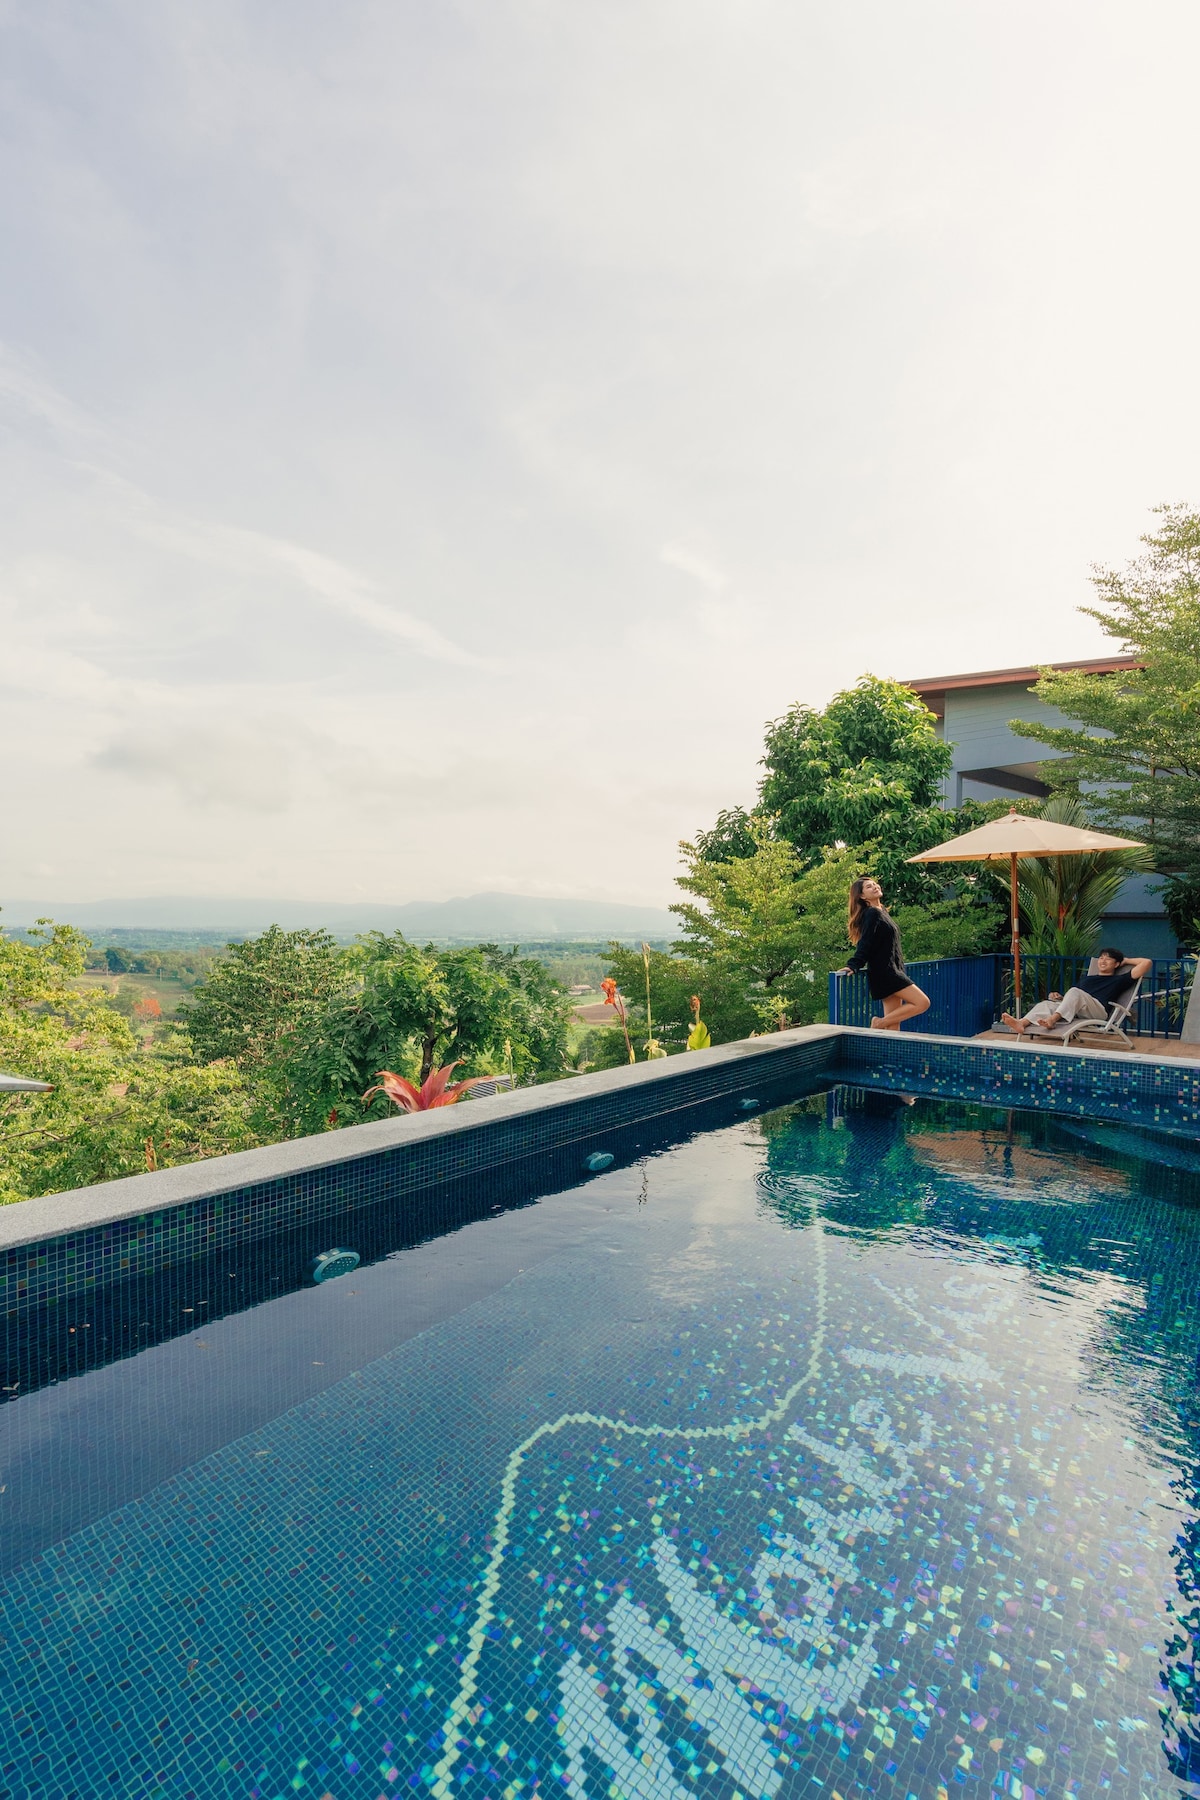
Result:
{"points": [[51, 1216], [135, 1196]]}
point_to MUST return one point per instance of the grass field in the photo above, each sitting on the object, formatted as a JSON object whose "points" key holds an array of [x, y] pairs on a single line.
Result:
{"points": [[126, 990]]}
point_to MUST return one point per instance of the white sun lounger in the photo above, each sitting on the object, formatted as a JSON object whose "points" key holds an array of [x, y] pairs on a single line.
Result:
{"points": [[1111, 1027]]}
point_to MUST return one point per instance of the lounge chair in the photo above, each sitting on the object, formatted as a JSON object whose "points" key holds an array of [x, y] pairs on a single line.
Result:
{"points": [[1112, 1027]]}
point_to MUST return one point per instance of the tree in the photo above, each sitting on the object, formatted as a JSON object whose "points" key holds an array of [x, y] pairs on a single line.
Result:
{"points": [[114, 1109], [731, 835], [311, 1024], [769, 924], [866, 774], [867, 770], [1134, 746], [258, 1008], [254, 1000], [778, 929]]}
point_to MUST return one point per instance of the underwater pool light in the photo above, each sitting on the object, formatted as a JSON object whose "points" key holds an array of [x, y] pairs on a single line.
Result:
{"points": [[331, 1263], [599, 1159]]}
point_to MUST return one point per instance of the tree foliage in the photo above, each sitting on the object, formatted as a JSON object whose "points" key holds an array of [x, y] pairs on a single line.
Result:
{"points": [[284, 1038], [867, 770], [777, 929], [864, 774], [310, 1024], [259, 996], [769, 924], [260, 1008], [1134, 744], [115, 1108], [731, 835], [728, 1010], [412, 1010]]}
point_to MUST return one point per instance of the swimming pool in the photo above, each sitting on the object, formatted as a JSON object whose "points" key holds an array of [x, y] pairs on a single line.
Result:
{"points": [[846, 1447]]}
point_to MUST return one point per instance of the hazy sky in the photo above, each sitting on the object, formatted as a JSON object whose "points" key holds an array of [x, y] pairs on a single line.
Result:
{"points": [[436, 436]]}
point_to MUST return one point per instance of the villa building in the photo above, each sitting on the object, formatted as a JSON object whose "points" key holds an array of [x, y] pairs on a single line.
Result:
{"points": [[991, 762]]}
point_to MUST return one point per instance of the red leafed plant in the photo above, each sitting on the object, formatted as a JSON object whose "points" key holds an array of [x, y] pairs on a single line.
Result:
{"points": [[436, 1090]]}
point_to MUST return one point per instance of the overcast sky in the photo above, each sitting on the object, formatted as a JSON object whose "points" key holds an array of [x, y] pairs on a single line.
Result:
{"points": [[436, 436]]}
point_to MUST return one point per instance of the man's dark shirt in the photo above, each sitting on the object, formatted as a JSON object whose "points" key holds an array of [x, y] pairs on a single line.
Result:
{"points": [[1107, 988]]}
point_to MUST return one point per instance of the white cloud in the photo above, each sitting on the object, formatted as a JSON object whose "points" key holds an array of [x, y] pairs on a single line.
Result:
{"points": [[354, 595], [434, 440], [676, 557]]}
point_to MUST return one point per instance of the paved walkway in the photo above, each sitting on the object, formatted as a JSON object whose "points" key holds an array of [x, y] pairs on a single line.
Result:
{"points": [[1142, 1046]]}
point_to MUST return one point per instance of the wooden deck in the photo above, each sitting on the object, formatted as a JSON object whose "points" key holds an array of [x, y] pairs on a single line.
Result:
{"points": [[1166, 1048]]}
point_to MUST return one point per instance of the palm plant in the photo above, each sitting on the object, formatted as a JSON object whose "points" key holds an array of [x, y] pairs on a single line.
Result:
{"points": [[1063, 898]]}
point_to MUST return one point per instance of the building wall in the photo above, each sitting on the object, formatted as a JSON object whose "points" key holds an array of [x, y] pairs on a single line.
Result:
{"points": [[976, 725]]}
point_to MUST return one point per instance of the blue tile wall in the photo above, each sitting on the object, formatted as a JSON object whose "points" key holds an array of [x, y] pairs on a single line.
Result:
{"points": [[1164, 1095]]}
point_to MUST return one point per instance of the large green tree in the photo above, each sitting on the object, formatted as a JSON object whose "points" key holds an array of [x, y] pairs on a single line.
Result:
{"points": [[311, 1023], [413, 1009], [772, 923], [116, 1107], [256, 999], [869, 768], [865, 773], [259, 1007], [1133, 747]]}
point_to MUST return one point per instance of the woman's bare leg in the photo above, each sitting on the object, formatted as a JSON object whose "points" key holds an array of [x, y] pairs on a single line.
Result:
{"points": [[909, 1003]]}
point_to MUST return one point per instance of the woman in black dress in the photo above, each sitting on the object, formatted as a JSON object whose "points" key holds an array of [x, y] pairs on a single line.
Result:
{"points": [[876, 941]]}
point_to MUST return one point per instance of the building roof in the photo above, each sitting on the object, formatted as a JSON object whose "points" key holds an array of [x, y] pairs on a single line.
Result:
{"points": [[934, 688]]}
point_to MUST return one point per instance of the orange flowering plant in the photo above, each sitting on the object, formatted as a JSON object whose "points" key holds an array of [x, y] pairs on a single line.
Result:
{"points": [[608, 988]]}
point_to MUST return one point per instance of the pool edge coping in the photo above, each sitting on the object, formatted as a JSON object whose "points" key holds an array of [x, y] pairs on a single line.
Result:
{"points": [[49, 1217]]}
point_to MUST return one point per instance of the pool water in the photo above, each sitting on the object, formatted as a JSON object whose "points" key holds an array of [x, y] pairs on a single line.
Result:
{"points": [[846, 1449]]}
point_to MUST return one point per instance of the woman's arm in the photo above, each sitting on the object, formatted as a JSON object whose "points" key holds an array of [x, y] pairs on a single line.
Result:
{"points": [[862, 948]]}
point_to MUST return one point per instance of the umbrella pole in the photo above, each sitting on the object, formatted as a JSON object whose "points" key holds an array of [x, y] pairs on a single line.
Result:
{"points": [[1016, 934]]}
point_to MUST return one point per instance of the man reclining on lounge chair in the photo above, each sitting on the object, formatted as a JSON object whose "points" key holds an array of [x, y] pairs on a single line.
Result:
{"points": [[1090, 999]]}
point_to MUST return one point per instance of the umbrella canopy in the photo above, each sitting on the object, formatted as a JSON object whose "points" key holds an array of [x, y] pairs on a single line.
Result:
{"points": [[1018, 835], [1014, 836]]}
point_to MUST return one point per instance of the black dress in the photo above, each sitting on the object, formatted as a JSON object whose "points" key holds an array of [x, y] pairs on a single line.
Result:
{"points": [[878, 952]]}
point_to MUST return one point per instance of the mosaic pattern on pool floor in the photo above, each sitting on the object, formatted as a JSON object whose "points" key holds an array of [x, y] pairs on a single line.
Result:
{"points": [[854, 1455]]}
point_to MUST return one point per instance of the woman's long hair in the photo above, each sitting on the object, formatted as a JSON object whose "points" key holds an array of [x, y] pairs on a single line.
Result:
{"points": [[858, 906]]}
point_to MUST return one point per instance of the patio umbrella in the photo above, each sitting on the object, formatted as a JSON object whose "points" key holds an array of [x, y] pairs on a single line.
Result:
{"points": [[1014, 836]]}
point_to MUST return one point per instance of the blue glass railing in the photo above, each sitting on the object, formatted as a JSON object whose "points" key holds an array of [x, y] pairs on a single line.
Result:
{"points": [[968, 993], [964, 994]]}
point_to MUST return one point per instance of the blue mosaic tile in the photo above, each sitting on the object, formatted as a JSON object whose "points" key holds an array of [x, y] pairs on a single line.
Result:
{"points": [[850, 1449], [1163, 1094], [79, 1261]]}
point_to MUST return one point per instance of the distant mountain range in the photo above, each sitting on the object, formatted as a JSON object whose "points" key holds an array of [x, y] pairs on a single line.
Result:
{"points": [[519, 917]]}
